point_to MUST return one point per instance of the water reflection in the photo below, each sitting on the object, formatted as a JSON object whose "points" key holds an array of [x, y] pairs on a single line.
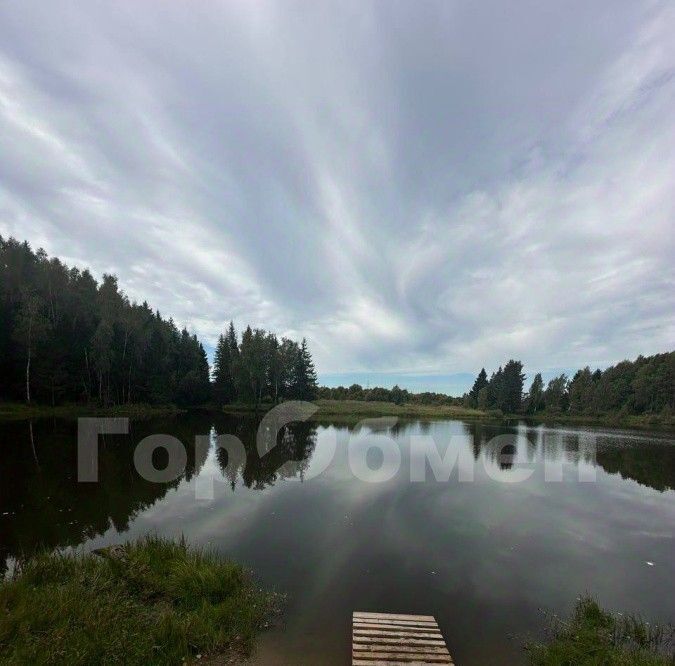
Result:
{"points": [[43, 504], [496, 551], [287, 457]]}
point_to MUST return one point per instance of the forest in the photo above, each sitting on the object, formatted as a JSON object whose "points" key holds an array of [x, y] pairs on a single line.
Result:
{"points": [[643, 386], [260, 368], [64, 337]]}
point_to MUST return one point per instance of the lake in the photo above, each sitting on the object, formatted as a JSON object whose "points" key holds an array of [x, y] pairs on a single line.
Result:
{"points": [[487, 552]]}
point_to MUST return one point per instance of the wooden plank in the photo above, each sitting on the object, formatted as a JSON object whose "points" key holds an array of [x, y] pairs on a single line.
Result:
{"points": [[395, 640], [427, 633], [387, 662], [395, 616], [372, 640], [390, 639], [369, 647], [403, 623], [398, 658], [380, 662]]}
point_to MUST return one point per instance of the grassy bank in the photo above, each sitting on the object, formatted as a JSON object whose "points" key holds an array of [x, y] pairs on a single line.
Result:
{"points": [[350, 410], [365, 409], [359, 409], [594, 637], [614, 420], [17, 411], [148, 602]]}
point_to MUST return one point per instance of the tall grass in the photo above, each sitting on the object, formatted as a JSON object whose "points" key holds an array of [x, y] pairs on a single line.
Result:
{"points": [[594, 637], [150, 602]]}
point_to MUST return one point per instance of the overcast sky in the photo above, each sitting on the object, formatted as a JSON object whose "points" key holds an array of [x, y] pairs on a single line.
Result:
{"points": [[416, 187]]}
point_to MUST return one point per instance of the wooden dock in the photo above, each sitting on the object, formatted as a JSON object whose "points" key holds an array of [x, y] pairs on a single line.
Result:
{"points": [[381, 639]]}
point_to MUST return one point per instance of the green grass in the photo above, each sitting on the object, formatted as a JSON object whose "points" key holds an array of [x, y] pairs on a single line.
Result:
{"points": [[148, 602], [16, 411], [362, 408], [351, 409], [594, 637], [615, 419]]}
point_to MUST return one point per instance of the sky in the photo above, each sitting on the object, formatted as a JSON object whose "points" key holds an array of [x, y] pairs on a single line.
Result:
{"points": [[420, 189]]}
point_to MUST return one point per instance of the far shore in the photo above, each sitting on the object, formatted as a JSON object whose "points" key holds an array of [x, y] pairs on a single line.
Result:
{"points": [[12, 411], [342, 411], [352, 410]]}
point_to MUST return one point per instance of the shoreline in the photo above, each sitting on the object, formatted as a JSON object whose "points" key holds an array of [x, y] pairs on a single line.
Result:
{"points": [[351, 410], [343, 410], [149, 600], [12, 411]]}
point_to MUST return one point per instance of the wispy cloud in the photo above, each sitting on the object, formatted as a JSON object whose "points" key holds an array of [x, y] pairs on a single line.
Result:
{"points": [[416, 191]]}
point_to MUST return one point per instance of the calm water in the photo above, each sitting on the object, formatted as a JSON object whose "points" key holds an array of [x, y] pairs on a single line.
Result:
{"points": [[483, 556]]}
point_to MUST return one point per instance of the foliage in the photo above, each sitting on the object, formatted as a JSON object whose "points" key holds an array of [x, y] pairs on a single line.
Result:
{"points": [[363, 409], [66, 338], [149, 602], [260, 368], [556, 397], [645, 386], [535, 397], [397, 395], [594, 637], [479, 385]]}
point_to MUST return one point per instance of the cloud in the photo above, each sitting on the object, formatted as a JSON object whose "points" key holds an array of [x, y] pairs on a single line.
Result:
{"points": [[414, 191]]}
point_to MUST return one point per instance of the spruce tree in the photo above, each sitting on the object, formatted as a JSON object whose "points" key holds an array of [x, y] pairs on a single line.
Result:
{"points": [[304, 386], [511, 397], [310, 377], [481, 382], [535, 397], [223, 382]]}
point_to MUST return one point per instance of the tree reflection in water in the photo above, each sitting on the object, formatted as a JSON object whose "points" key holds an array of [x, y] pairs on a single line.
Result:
{"points": [[43, 505]]}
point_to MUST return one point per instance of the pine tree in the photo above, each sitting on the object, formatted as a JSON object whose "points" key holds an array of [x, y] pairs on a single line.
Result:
{"points": [[481, 382], [511, 396], [494, 389], [304, 380], [223, 376], [535, 397], [274, 368]]}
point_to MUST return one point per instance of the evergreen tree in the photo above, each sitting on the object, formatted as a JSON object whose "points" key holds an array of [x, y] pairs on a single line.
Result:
{"points": [[535, 397], [274, 368], [224, 390], [511, 394], [304, 380], [493, 395], [480, 383]]}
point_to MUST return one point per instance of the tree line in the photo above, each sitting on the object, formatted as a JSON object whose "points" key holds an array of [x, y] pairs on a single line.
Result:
{"points": [[262, 368], [397, 395], [64, 337], [643, 386]]}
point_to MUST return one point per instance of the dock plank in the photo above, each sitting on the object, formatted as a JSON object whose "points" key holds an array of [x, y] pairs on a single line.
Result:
{"points": [[400, 623], [398, 634], [396, 616], [390, 639]]}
